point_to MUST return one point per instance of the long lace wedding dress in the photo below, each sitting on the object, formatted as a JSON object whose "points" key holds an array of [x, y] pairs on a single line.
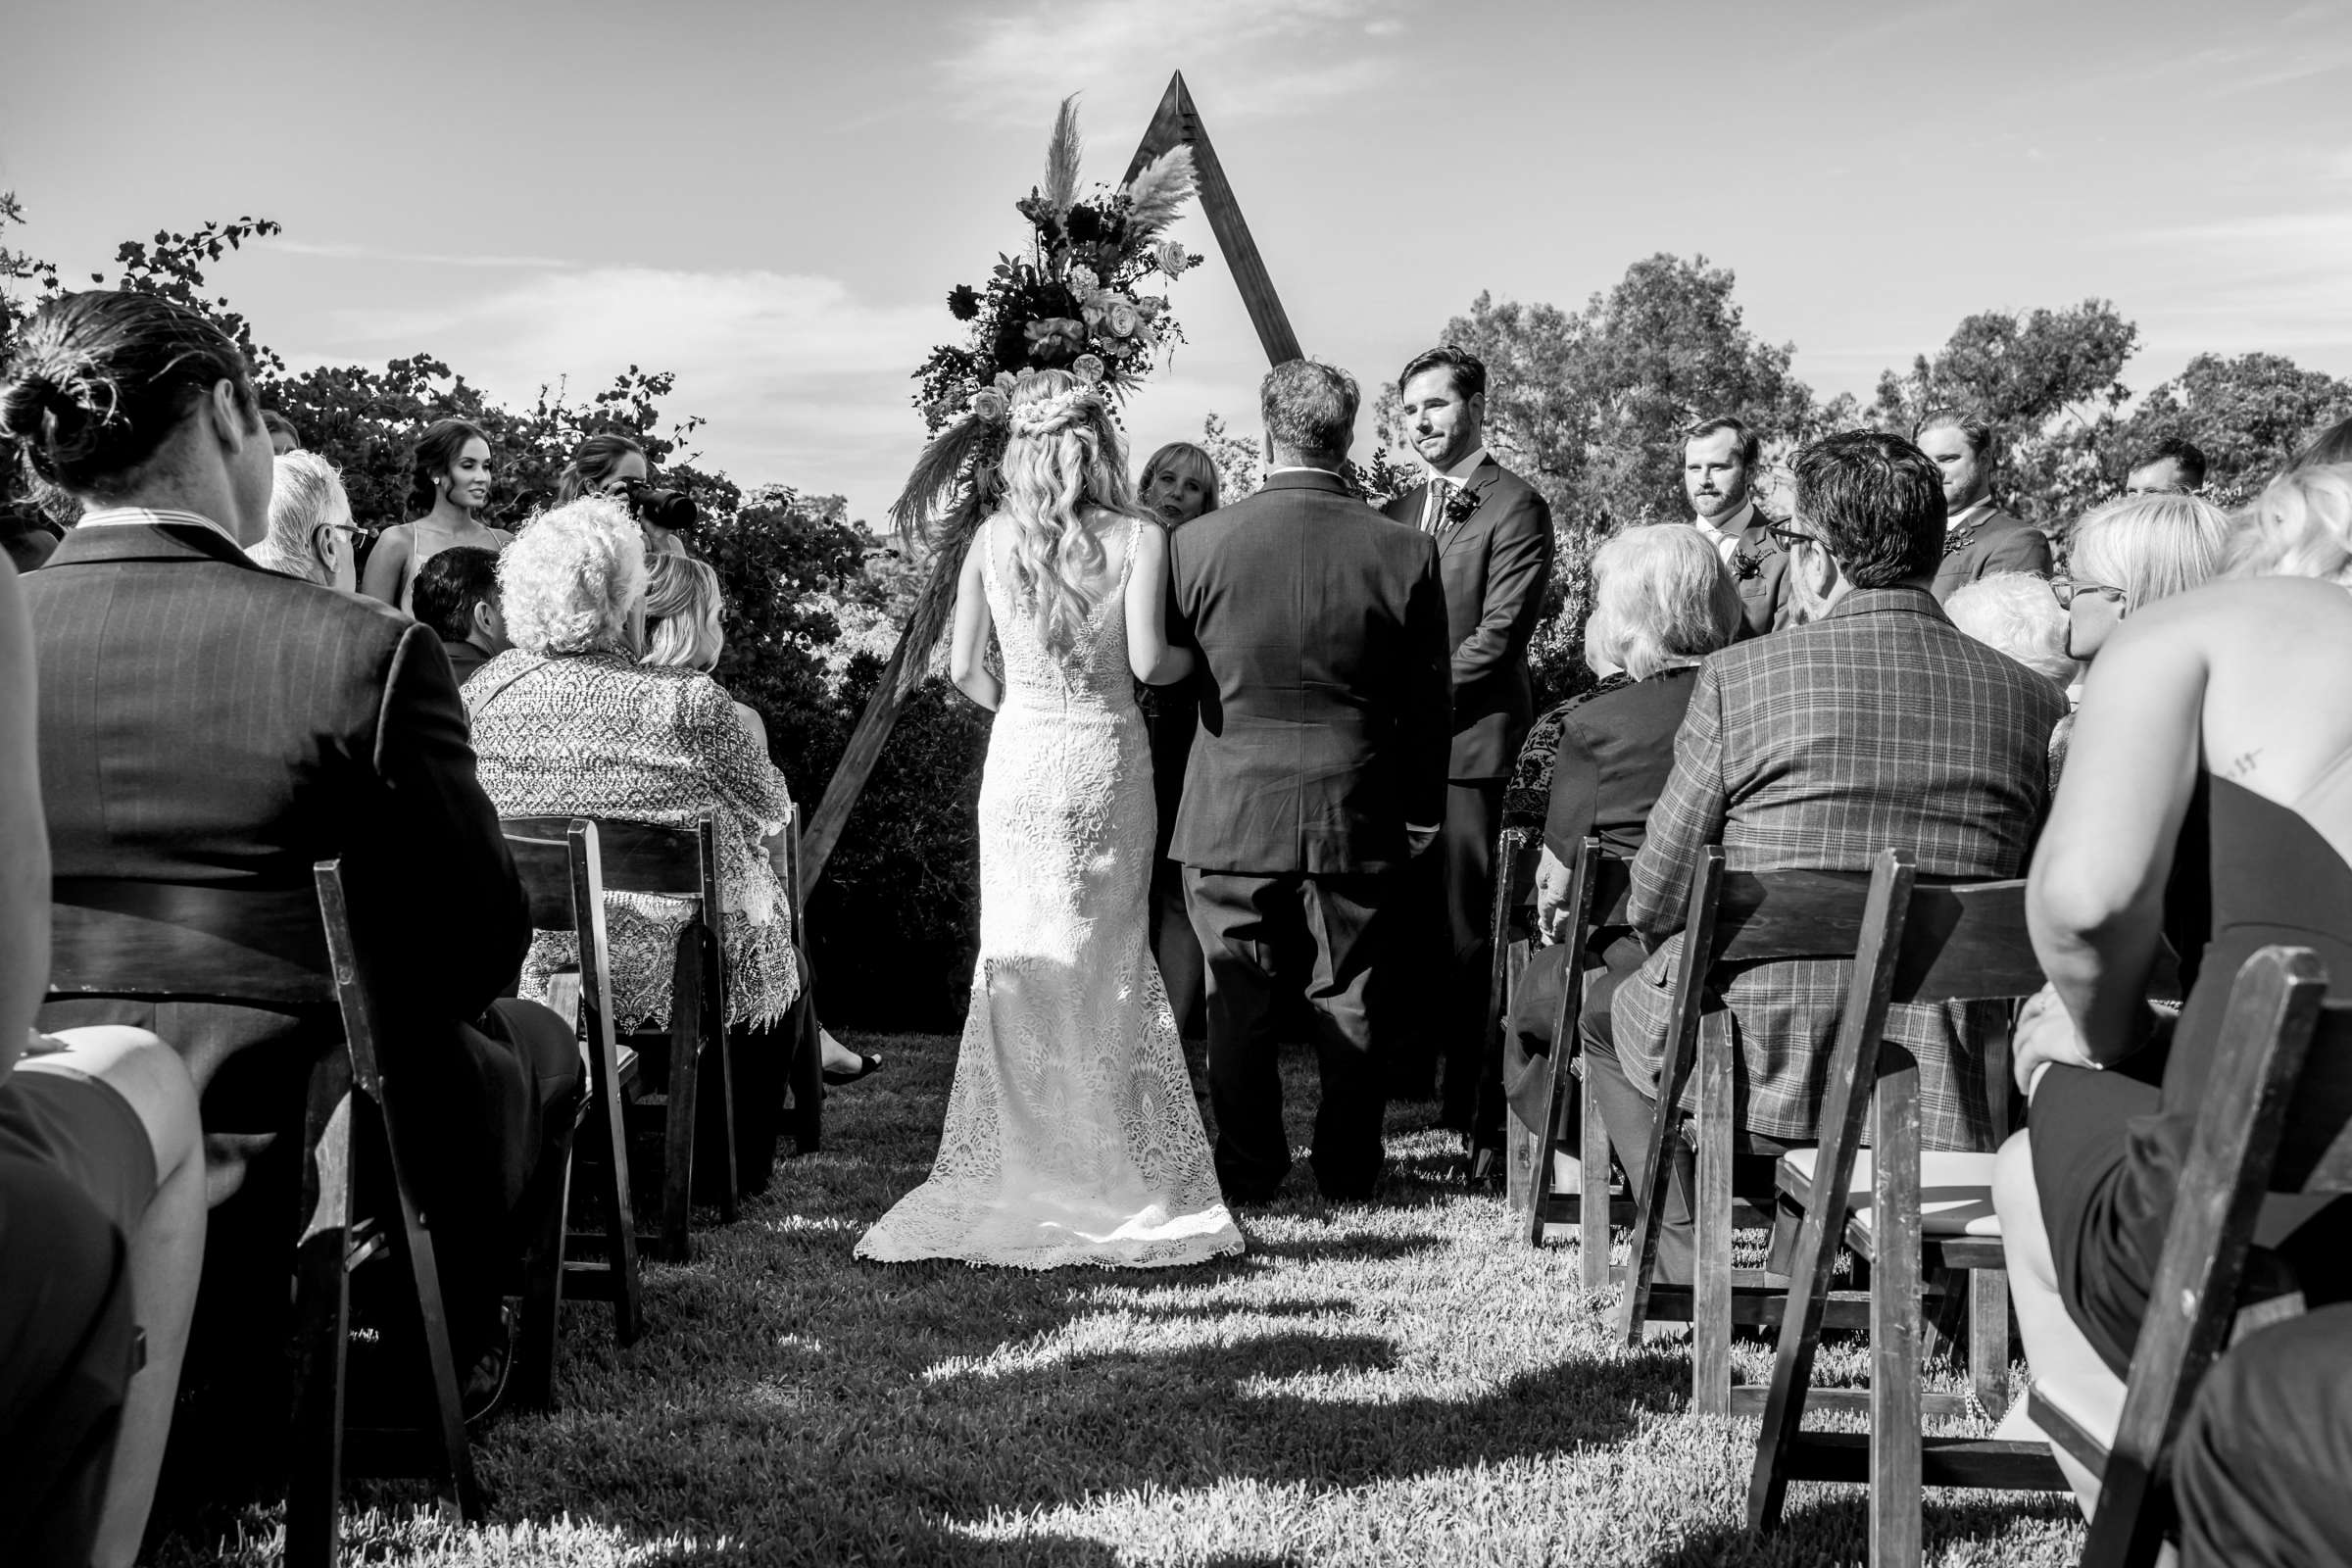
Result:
{"points": [[1072, 1135]]}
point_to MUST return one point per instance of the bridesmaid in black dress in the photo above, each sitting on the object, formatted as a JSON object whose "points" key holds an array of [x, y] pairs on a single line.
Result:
{"points": [[2226, 703], [1178, 484]]}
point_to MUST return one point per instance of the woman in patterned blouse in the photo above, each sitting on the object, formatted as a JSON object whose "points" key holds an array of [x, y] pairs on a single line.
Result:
{"points": [[567, 722]]}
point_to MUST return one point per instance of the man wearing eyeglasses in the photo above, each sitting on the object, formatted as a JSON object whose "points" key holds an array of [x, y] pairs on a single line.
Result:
{"points": [[1875, 724]]}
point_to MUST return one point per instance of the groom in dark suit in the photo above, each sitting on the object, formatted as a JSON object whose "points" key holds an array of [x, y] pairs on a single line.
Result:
{"points": [[1495, 550], [1318, 768]]}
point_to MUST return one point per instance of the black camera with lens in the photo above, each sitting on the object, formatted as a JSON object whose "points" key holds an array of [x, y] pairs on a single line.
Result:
{"points": [[672, 510]]}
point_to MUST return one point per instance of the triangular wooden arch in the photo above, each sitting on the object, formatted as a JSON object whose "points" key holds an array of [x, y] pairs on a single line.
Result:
{"points": [[1177, 122]]}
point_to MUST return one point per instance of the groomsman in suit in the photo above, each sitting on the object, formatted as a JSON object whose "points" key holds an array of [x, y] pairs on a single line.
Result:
{"points": [[1719, 475], [1979, 539], [1495, 552], [1319, 770]]}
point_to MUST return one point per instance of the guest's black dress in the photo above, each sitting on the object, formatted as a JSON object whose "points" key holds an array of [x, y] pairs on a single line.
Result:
{"points": [[1611, 751], [2109, 1150]]}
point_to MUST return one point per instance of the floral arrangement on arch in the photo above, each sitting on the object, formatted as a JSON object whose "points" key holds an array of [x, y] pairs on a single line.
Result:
{"points": [[1086, 297]]}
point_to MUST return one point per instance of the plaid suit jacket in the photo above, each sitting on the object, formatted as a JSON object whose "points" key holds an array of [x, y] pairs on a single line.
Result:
{"points": [[1880, 726]]}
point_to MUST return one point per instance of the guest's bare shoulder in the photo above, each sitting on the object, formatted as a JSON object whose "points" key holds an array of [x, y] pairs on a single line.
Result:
{"points": [[2260, 616]]}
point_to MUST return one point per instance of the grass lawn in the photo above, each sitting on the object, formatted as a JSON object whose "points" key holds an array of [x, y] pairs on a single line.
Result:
{"points": [[1370, 1384]]}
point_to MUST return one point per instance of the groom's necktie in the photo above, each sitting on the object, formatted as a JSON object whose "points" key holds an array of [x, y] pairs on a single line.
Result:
{"points": [[1432, 503]]}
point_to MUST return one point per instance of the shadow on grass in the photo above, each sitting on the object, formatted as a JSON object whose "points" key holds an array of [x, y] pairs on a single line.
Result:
{"points": [[1824, 1523]]}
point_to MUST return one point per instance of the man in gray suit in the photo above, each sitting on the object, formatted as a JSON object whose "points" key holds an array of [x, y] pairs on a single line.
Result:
{"points": [[1318, 768], [1877, 724], [1979, 539]]}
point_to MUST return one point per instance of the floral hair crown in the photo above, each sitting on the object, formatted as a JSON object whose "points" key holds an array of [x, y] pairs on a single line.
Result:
{"points": [[995, 404]]}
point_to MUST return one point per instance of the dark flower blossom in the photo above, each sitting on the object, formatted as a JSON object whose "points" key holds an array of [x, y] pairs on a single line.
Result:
{"points": [[963, 302]]}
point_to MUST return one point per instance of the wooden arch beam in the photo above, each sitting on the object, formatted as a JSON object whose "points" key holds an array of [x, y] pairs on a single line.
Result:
{"points": [[1176, 123]]}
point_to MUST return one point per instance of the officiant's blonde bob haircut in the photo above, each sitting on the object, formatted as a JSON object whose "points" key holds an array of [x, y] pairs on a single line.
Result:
{"points": [[1660, 597], [568, 582]]}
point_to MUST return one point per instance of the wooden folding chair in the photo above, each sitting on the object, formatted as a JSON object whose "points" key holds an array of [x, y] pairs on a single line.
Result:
{"points": [[2276, 1118], [293, 952], [1911, 944], [1730, 918], [559, 863], [679, 863], [1592, 1208]]}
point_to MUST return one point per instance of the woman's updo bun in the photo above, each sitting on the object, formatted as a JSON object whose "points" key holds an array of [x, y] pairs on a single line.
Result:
{"points": [[97, 381]]}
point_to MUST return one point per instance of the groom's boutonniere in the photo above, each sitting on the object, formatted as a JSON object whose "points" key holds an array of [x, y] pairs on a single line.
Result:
{"points": [[1959, 538], [1460, 501]]}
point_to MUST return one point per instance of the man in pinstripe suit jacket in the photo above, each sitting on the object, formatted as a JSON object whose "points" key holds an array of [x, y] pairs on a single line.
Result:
{"points": [[1877, 724], [208, 730]]}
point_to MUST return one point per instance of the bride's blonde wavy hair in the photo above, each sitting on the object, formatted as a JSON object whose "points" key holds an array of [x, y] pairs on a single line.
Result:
{"points": [[1065, 456]]}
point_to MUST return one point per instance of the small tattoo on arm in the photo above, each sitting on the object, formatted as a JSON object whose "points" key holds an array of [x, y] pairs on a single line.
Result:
{"points": [[2242, 764]]}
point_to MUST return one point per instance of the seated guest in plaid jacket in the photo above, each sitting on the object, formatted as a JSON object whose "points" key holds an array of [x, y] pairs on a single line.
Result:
{"points": [[1878, 725]]}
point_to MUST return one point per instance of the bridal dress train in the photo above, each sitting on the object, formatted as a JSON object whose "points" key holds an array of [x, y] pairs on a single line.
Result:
{"points": [[1072, 1135]]}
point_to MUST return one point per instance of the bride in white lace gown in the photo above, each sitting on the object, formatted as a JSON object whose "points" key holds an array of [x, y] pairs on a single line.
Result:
{"points": [[1072, 1135]]}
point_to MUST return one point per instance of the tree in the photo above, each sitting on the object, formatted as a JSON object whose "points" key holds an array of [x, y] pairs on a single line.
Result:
{"points": [[2247, 414], [1239, 463], [2049, 382]]}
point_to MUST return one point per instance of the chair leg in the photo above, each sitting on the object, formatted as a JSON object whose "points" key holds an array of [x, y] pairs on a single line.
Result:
{"points": [[1592, 1204], [414, 1245], [720, 1110], [1711, 1265], [677, 1133], [1894, 1313], [608, 1170], [321, 1335], [543, 1289], [1542, 1143], [1988, 1339]]}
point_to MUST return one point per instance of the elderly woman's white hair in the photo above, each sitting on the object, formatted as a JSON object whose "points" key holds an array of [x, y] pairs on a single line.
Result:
{"points": [[306, 493], [2014, 613], [2300, 526], [2151, 547], [569, 581], [1660, 597]]}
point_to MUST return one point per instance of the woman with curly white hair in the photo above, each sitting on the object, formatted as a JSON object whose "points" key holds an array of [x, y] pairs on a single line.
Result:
{"points": [[2214, 745], [1072, 1135], [567, 722]]}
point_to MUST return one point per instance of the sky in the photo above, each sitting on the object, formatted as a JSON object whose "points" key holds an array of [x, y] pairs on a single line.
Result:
{"points": [[773, 199]]}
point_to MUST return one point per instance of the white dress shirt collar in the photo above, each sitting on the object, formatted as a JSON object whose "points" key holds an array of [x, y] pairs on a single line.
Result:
{"points": [[1974, 513], [1462, 472], [1727, 536], [150, 517]]}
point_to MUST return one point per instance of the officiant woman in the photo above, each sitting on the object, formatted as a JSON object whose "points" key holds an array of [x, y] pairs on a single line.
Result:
{"points": [[1178, 484]]}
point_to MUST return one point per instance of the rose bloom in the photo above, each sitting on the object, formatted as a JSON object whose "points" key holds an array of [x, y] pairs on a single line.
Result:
{"points": [[1172, 258], [988, 403], [1122, 318]]}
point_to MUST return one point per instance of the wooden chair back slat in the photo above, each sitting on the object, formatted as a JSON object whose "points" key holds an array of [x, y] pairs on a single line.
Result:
{"points": [[162, 942], [543, 861], [678, 862]]}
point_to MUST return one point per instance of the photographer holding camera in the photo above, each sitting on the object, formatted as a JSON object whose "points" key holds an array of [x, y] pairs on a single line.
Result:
{"points": [[612, 465]]}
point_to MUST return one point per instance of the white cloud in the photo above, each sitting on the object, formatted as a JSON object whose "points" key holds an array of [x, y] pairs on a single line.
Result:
{"points": [[349, 251], [1014, 61], [802, 380]]}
